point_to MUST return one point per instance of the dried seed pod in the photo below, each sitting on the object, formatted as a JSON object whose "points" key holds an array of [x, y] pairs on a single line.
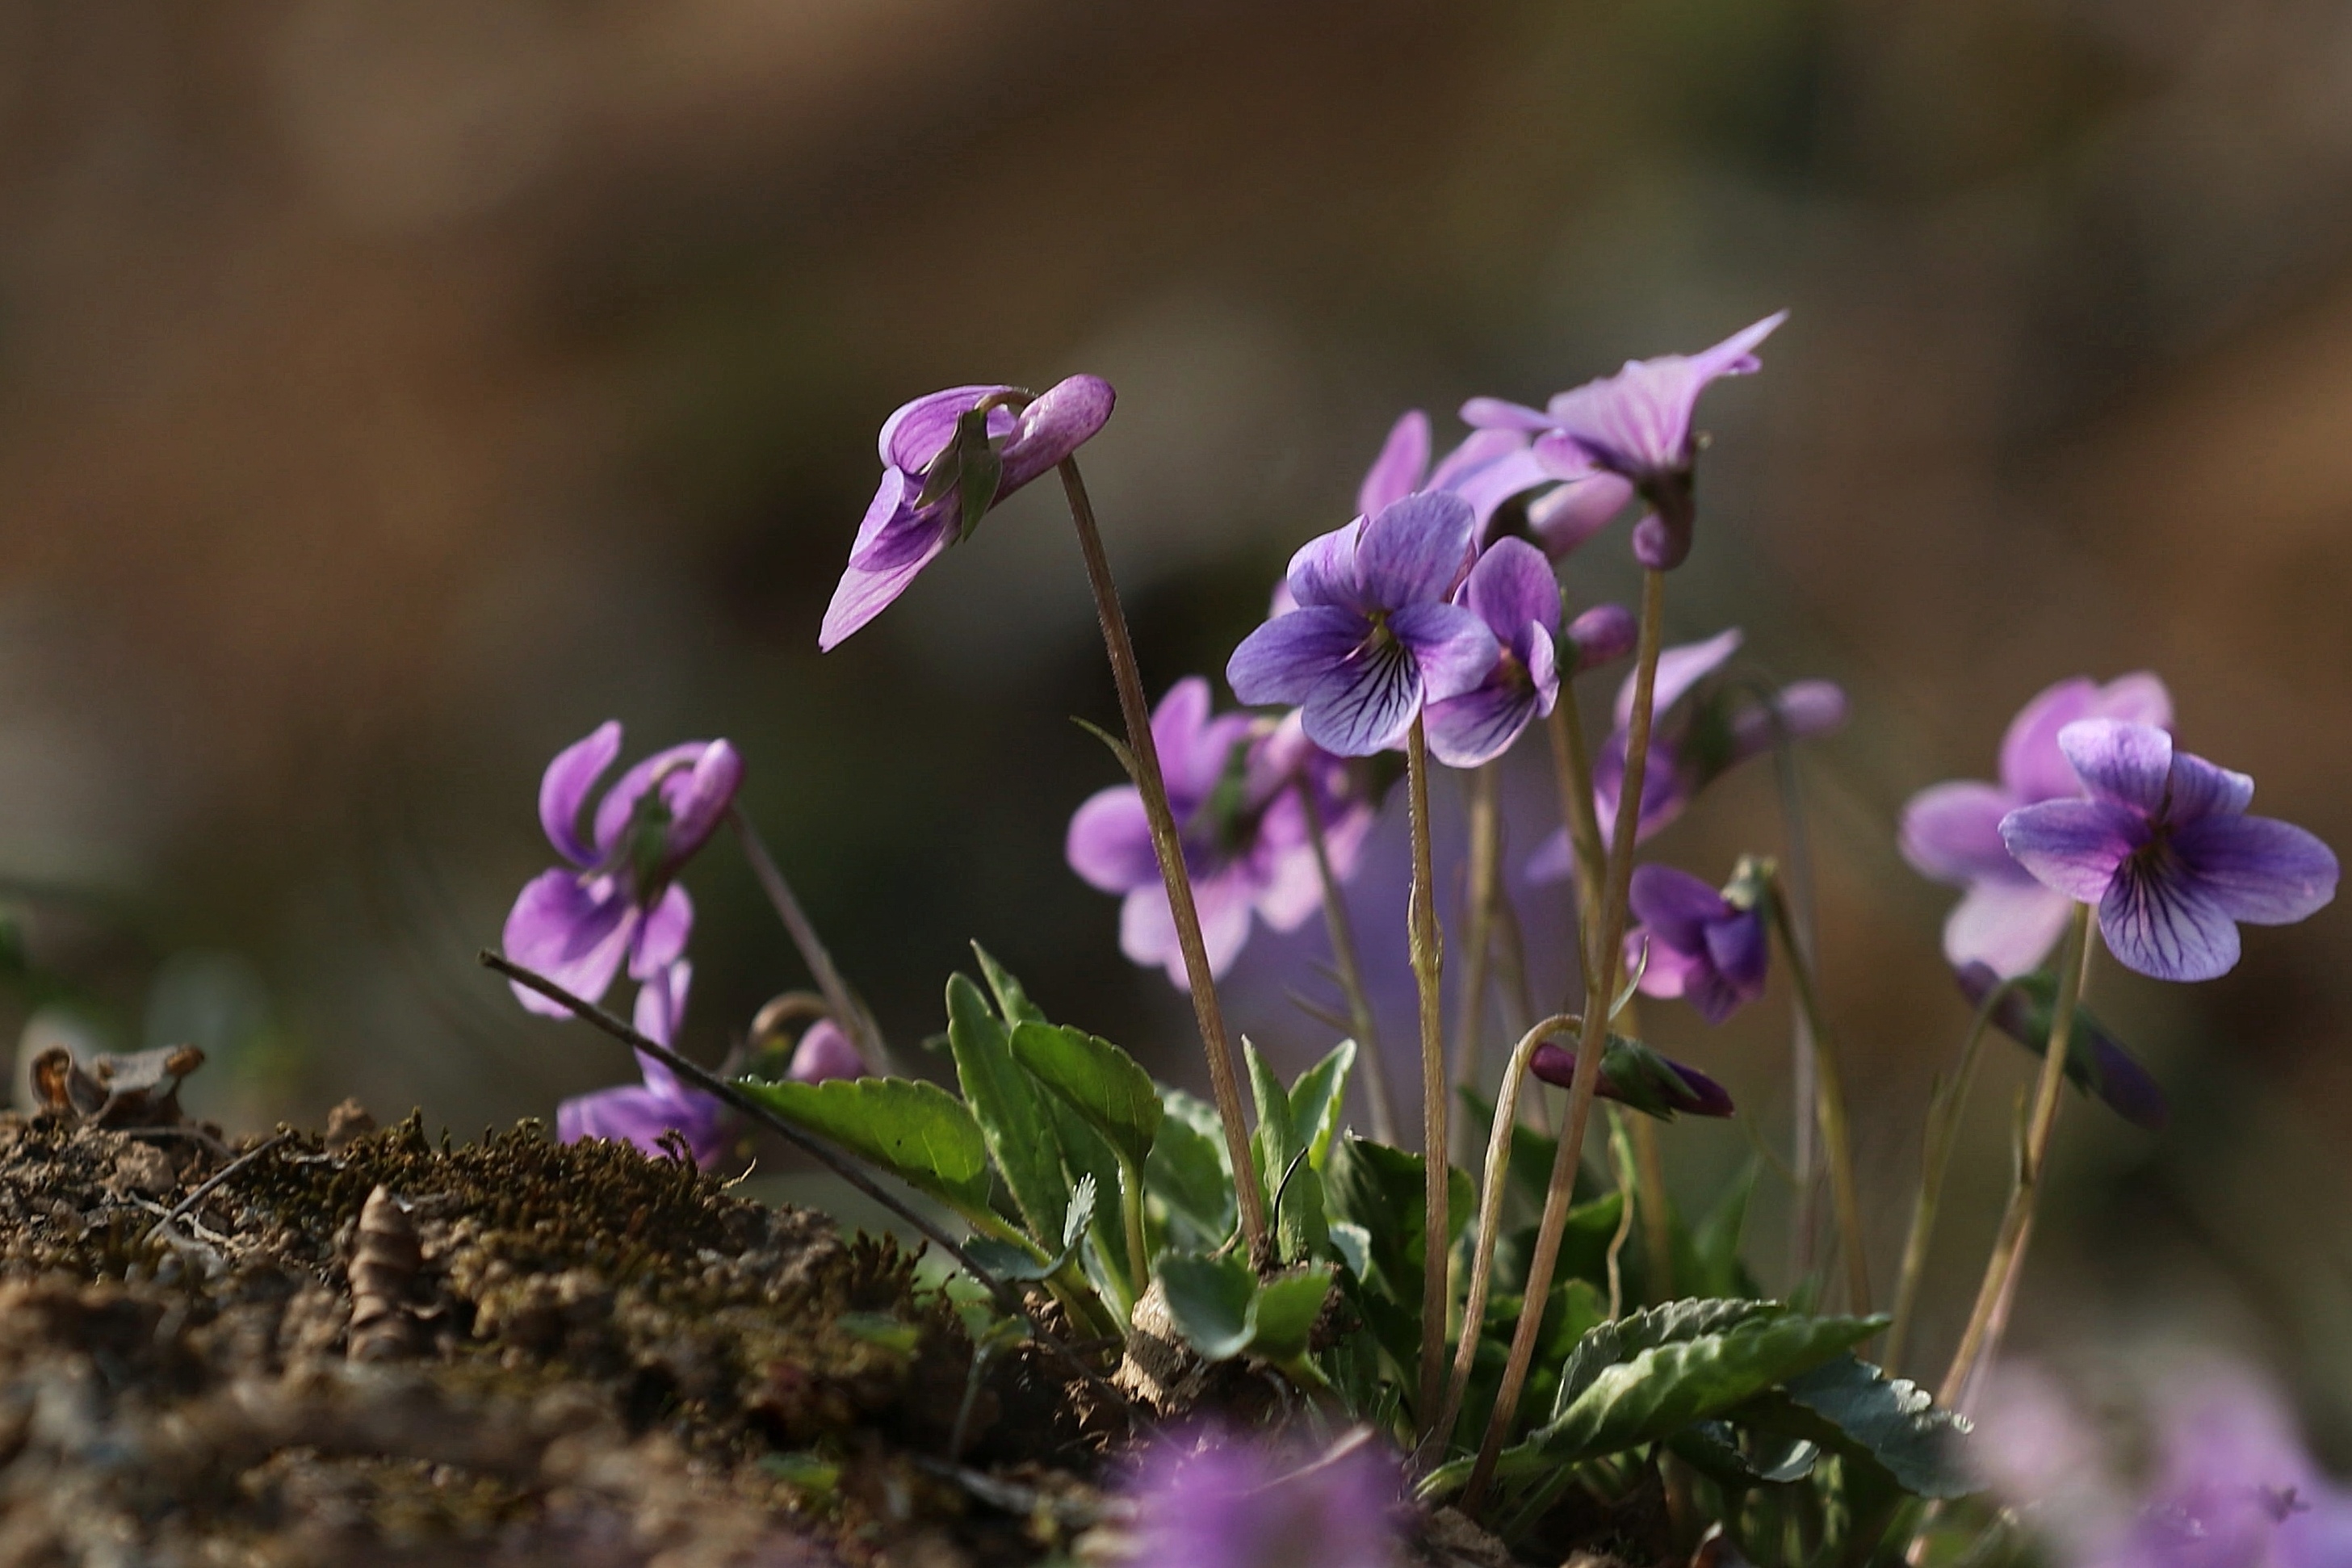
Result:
{"points": [[385, 1256]]}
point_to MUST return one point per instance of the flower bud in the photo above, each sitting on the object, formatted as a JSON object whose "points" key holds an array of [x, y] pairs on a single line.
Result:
{"points": [[1601, 635]]}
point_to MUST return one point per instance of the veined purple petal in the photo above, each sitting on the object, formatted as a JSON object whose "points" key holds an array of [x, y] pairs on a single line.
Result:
{"points": [[2008, 924], [1479, 725], [1738, 950], [572, 930], [2160, 922], [2257, 868], [1511, 588], [1452, 646], [1543, 668], [2074, 846], [1674, 905], [563, 790], [2031, 763], [1414, 551], [1179, 724], [1601, 635], [2128, 764], [1396, 472], [824, 1052], [1951, 832], [1063, 417], [1564, 456], [661, 936], [1109, 842], [920, 431], [1495, 413], [1638, 421], [698, 800], [1679, 669], [1486, 481], [1367, 704], [1288, 658], [1578, 510], [1323, 572], [2200, 789], [661, 1008], [863, 594]]}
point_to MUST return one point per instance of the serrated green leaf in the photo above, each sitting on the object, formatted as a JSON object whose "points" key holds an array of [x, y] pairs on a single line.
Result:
{"points": [[1380, 1188], [1188, 1173], [1096, 1080], [1285, 1311], [1012, 1004], [917, 1131], [1319, 1102], [1209, 1299], [1282, 1148], [1010, 1108], [1627, 1337], [1857, 1409]]}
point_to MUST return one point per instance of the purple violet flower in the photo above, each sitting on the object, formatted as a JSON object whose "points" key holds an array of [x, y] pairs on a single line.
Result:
{"points": [[1513, 590], [1702, 947], [1486, 469], [1375, 635], [938, 465], [1632, 1074], [640, 1113], [1951, 832], [1700, 730], [1636, 426], [1229, 1502], [1233, 786], [2163, 847], [824, 1052], [618, 899]]}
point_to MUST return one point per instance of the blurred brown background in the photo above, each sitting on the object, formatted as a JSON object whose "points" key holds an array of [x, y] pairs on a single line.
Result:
{"points": [[391, 391]]}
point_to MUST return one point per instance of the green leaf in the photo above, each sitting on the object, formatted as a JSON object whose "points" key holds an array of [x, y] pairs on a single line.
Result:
{"points": [[880, 1329], [1285, 1312], [1294, 1192], [1353, 1243], [1380, 1188], [1715, 1447], [1187, 1172], [1096, 1080], [1532, 1154], [1858, 1410], [1666, 1387], [1011, 1111], [917, 1131], [1007, 1261], [1319, 1102], [1714, 1245], [1012, 1003], [1627, 1337], [1209, 1298], [1087, 1155]]}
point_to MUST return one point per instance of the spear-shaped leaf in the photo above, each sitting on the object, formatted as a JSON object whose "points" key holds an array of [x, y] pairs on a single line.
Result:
{"points": [[917, 1131]]}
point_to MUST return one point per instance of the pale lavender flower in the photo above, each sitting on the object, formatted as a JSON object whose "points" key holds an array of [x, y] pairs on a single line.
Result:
{"points": [[2165, 851], [618, 899], [641, 1113], [1951, 832], [1233, 786], [1375, 635], [1512, 589], [941, 470], [826, 1051], [1231, 1503], [1486, 469], [1636, 426], [1701, 947], [1700, 730]]}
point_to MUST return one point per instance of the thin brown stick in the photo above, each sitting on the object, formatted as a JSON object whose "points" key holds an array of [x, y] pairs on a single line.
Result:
{"points": [[1135, 709], [847, 1010], [211, 1184]]}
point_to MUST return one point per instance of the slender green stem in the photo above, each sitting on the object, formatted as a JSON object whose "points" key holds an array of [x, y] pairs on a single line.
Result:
{"points": [[1484, 880], [847, 1009], [1944, 1110], [1608, 935], [1982, 1335], [1150, 784], [1828, 1078], [1621, 1164], [1492, 1192], [1351, 971], [1428, 966], [1131, 1202]]}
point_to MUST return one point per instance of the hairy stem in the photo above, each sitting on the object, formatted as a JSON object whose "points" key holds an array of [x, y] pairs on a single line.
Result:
{"points": [[1608, 935], [1352, 973], [1837, 1142], [844, 1005], [1428, 966], [1982, 1335], [1150, 784]]}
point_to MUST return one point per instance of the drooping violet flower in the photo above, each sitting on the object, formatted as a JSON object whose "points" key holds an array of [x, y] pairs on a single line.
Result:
{"points": [[640, 1113], [618, 899], [1486, 469], [1951, 832], [1512, 589], [1375, 635], [1601, 635], [1632, 1074], [2095, 1060], [824, 1052], [946, 459], [1700, 730], [2165, 851], [1635, 425], [1226, 1501], [1233, 787], [1701, 946]]}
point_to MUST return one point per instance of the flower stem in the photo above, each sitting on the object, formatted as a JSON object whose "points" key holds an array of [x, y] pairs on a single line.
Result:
{"points": [[1484, 882], [1829, 1080], [847, 1009], [1428, 966], [1130, 1204], [1153, 786], [1982, 1335], [1571, 760], [1351, 971], [1950, 1099], [1607, 939]]}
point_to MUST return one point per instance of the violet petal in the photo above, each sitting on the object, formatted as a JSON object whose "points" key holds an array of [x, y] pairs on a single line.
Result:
{"points": [[2162, 924], [2008, 924], [2130, 764], [1452, 648], [1414, 551], [1063, 417], [2074, 846], [1109, 842], [2257, 868], [661, 936], [574, 933], [1286, 659], [1396, 472], [1951, 832], [1366, 704], [1568, 516], [862, 594], [564, 789]]}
